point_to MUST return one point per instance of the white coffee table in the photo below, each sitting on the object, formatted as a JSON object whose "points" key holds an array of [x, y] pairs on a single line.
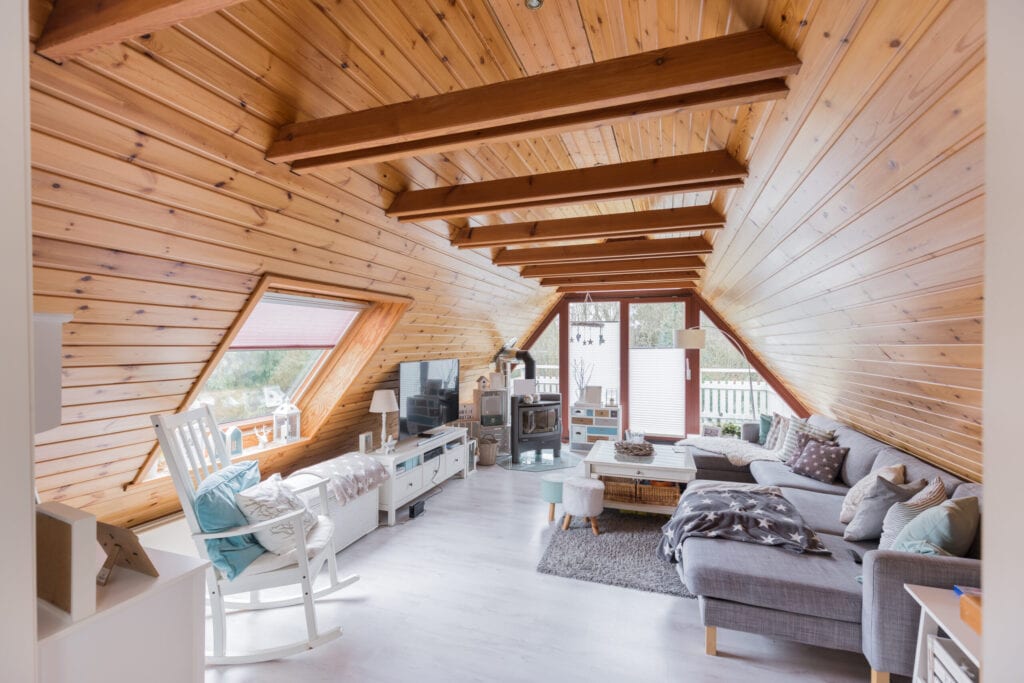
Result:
{"points": [[665, 465]]}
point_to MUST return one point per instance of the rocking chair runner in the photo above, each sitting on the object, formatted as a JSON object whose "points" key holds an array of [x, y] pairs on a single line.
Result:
{"points": [[194, 449]]}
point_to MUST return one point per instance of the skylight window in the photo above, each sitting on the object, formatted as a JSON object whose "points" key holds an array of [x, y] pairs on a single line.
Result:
{"points": [[278, 350]]}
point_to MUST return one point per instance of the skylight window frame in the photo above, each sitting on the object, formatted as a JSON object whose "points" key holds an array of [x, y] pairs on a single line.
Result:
{"points": [[388, 309]]}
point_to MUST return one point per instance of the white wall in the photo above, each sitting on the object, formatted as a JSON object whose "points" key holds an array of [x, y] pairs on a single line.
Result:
{"points": [[1003, 566], [17, 570]]}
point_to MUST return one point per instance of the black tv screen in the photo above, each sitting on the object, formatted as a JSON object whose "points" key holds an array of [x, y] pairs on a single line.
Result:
{"points": [[428, 395]]}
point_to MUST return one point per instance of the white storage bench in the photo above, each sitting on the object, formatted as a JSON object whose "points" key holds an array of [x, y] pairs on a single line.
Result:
{"points": [[353, 494]]}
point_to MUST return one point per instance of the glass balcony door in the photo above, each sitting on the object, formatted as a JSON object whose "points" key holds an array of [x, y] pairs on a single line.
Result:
{"points": [[657, 371]]}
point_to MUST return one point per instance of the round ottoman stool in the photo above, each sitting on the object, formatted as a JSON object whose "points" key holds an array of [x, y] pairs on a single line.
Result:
{"points": [[582, 497], [551, 491]]}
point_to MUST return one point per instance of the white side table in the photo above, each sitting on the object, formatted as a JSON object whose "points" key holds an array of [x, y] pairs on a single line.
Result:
{"points": [[940, 608]]}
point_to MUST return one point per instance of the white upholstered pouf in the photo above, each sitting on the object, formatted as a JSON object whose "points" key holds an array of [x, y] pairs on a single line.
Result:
{"points": [[582, 497]]}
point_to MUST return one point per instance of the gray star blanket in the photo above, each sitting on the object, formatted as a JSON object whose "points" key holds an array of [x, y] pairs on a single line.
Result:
{"points": [[737, 512]]}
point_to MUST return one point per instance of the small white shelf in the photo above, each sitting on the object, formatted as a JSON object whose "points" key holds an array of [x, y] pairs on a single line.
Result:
{"points": [[940, 608]]}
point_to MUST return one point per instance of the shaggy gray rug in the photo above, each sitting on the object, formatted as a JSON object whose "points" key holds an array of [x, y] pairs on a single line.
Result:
{"points": [[622, 555]]}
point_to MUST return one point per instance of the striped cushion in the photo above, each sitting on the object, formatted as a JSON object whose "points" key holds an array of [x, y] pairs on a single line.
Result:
{"points": [[780, 435], [773, 433], [791, 446], [817, 433], [901, 514]]}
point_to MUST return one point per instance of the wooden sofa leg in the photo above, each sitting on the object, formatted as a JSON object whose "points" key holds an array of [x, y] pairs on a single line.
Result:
{"points": [[711, 641], [879, 676]]}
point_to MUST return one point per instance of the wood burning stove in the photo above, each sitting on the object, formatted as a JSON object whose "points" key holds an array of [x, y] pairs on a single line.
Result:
{"points": [[536, 425]]}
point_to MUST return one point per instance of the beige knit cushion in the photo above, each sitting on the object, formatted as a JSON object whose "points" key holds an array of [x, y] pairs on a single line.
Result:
{"points": [[893, 473]]}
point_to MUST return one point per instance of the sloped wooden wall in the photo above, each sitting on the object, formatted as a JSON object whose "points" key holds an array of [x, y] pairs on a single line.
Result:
{"points": [[154, 216], [852, 261]]}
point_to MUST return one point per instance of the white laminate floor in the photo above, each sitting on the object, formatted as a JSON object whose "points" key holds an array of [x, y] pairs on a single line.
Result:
{"points": [[454, 596]]}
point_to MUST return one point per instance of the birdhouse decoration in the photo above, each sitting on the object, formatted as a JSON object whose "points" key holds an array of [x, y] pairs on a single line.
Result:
{"points": [[233, 438], [482, 383], [287, 425]]}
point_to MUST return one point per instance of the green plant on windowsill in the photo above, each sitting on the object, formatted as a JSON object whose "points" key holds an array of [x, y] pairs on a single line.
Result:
{"points": [[731, 429]]}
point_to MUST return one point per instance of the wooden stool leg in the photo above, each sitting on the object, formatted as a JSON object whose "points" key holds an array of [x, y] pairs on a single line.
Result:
{"points": [[566, 522], [879, 676], [551, 512], [711, 640], [593, 525]]}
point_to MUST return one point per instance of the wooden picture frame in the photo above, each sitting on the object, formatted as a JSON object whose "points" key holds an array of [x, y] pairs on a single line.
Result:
{"points": [[123, 549]]}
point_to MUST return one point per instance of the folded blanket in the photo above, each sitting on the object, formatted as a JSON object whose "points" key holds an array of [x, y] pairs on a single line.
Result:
{"points": [[750, 513], [349, 476], [738, 451]]}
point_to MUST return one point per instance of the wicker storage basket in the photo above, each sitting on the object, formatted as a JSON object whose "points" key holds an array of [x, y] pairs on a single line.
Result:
{"points": [[621, 489], [657, 495]]}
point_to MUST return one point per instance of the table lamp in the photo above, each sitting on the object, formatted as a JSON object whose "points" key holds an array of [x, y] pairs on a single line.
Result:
{"points": [[383, 402]]}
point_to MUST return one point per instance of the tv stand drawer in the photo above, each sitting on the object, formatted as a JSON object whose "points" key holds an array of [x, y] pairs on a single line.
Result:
{"points": [[406, 485]]}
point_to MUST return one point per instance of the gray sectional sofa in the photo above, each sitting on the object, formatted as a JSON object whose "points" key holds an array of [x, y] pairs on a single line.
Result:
{"points": [[818, 599]]}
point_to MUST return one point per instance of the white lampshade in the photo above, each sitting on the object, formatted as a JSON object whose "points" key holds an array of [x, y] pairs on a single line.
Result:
{"points": [[690, 339], [383, 401]]}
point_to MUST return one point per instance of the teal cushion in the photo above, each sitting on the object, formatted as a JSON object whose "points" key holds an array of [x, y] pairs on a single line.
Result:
{"points": [[217, 510], [950, 527], [766, 425]]}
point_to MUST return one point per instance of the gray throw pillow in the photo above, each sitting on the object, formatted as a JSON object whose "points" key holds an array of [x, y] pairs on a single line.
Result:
{"points": [[866, 524], [821, 461]]}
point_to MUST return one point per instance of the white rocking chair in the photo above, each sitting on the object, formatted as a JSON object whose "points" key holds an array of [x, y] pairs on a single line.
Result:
{"points": [[194, 449]]}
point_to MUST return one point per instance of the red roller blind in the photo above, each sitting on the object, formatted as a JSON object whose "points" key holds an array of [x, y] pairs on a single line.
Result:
{"points": [[289, 321]]}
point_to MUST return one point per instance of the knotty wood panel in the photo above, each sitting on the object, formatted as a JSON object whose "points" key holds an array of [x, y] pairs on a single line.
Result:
{"points": [[850, 261]]}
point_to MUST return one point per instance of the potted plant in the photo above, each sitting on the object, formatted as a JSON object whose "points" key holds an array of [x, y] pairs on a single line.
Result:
{"points": [[731, 429]]}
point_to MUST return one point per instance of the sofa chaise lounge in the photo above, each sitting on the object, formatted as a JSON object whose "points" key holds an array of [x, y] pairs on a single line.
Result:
{"points": [[818, 599]]}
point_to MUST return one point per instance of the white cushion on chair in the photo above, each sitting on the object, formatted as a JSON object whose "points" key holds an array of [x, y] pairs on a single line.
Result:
{"points": [[316, 541], [269, 499], [582, 497]]}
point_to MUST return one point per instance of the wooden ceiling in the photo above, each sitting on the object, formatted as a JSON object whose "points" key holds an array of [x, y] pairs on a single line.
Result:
{"points": [[849, 260]]}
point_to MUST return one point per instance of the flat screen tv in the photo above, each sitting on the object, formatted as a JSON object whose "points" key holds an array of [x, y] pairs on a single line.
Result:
{"points": [[428, 395]]}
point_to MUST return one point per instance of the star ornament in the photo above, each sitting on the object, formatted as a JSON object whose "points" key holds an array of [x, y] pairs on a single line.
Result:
{"points": [[797, 536]]}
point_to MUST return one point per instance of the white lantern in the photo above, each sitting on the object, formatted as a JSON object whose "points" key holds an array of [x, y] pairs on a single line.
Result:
{"points": [[287, 426]]}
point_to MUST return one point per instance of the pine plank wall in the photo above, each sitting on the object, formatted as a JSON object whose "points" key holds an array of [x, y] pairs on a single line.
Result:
{"points": [[851, 262]]}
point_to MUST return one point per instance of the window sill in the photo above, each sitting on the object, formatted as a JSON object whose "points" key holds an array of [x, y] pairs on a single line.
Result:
{"points": [[251, 453]]}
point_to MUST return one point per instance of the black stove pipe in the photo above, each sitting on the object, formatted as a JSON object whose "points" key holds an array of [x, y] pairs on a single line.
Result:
{"points": [[530, 366]]}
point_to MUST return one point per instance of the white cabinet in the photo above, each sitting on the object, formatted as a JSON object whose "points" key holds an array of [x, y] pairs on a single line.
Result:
{"points": [[590, 424], [145, 627], [420, 464]]}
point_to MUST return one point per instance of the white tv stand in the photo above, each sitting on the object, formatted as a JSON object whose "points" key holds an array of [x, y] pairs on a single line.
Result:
{"points": [[412, 474]]}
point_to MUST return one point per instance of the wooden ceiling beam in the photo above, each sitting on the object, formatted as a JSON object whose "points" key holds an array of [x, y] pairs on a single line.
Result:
{"points": [[697, 66], [703, 217], [622, 279], [677, 174], [75, 26], [637, 265], [606, 251], [641, 287], [715, 98]]}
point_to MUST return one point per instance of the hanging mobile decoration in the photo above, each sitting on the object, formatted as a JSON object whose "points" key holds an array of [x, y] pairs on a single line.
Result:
{"points": [[585, 328]]}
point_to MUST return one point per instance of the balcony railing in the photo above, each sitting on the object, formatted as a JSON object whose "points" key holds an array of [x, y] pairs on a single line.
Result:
{"points": [[721, 400]]}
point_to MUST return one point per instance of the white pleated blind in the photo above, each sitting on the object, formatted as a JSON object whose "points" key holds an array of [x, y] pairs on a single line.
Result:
{"points": [[296, 322]]}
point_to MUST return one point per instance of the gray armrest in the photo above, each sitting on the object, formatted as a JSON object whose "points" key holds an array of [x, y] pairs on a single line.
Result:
{"points": [[889, 615]]}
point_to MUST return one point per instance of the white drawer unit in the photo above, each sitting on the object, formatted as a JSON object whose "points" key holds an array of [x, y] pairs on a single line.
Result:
{"points": [[590, 424], [419, 465]]}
